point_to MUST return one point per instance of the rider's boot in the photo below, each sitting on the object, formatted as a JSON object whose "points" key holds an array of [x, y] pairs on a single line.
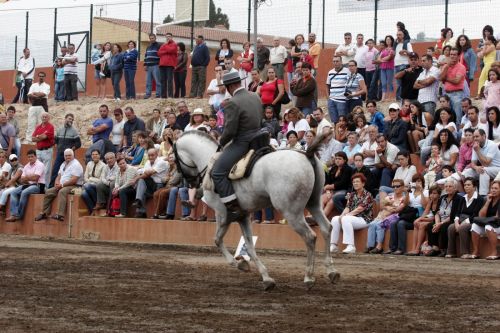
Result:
{"points": [[234, 211]]}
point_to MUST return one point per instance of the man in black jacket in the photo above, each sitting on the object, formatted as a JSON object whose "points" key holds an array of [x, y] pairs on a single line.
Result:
{"points": [[243, 114], [396, 128]]}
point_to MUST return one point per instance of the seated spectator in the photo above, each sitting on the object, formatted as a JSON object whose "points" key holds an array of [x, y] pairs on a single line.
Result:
{"points": [[319, 115], [493, 123], [155, 126], [304, 89], [92, 177], [330, 147], [213, 124], [465, 150], [341, 130], [292, 141], [107, 183], [102, 127], [417, 129], [198, 119], [444, 120], [462, 224], [356, 215], [270, 122], [152, 178], [124, 185], [385, 160], [437, 232], [336, 184], [391, 206], [448, 173], [361, 128], [160, 197], [183, 116], [485, 163], [70, 176], [132, 124], [432, 166], [166, 146], [297, 123], [12, 181], [426, 218], [417, 200], [405, 112], [32, 182], [11, 118], [172, 122], [473, 119], [5, 168], [309, 138], [492, 90], [377, 118], [492, 232], [360, 167], [369, 148], [141, 156], [351, 148], [172, 200], [448, 148], [66, 137], [396, 128], [8, 135]]}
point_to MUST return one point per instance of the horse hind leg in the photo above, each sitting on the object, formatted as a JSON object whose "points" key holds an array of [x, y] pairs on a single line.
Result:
{"points": [[325, 229], [246, 230]]}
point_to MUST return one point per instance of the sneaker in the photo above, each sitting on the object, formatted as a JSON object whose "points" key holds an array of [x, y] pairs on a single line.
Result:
{"points": [[117, 99], [350, 249], [120, 216], [101, 74], [334, 248]]}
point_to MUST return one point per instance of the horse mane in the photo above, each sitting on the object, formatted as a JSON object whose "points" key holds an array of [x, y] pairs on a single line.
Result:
{"points": [[317, 144], [200, 134]]}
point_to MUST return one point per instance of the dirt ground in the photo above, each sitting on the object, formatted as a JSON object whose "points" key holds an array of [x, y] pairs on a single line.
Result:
{"points": [[70, 286]]}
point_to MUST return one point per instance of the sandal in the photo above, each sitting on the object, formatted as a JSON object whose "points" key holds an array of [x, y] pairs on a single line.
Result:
{"points": [[187, 218], [58, 217], [492, 258], [202, 218], [470, 256], [187, 203], [40, 217]]}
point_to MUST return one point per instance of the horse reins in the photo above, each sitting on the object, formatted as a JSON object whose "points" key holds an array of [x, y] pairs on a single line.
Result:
{"points": [[192, 180]]}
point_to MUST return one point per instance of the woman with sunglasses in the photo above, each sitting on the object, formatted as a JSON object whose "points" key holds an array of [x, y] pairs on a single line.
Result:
{"points": [[405, 172]]}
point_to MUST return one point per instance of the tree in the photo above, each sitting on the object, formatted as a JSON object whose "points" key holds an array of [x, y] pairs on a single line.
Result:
{"points": [[215, 17]]}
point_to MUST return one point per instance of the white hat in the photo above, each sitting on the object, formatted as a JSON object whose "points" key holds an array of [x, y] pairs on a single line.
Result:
{"points": [[198, 111], [394, 106], [12, 156]]}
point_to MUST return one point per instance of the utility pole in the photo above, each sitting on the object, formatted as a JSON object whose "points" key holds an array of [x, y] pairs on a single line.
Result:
{"points": [[255, 8], [192, 24], [152, 15]]}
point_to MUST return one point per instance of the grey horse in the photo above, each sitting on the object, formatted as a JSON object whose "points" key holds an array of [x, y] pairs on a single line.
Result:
{"points": [[288, 180]]}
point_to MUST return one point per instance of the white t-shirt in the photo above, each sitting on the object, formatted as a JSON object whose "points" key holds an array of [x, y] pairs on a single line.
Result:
{"points": [[40, 88], [6, 167], [190, 127], [468, 124], [216, 99], [490, 150], [360, 55], [369, 161], [406, 174], [416, 201], [399, 59], [161, 168], [325, 123], [446, 155], [301, 125], [71, 169], [450, 126], [391, 152], [117, 132]]}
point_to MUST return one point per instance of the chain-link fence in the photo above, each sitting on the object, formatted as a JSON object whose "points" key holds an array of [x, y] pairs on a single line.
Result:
{"points": [[40, 29]]}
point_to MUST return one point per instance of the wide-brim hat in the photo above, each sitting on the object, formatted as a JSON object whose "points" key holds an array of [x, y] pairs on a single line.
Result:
{"points": [[198, 111], [230, 78]]}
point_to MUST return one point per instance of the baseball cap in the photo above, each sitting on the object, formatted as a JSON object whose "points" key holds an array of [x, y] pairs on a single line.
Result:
{"points": [[12, 157], [394, 106], [412, 55]]}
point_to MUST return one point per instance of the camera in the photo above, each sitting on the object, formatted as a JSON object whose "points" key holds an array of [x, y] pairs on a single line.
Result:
{"points": [[348, 93]]}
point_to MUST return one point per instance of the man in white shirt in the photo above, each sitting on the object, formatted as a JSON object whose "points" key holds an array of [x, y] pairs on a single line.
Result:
{"points": [[427, 84], [277, 57], [336, 82], [319, 116], [330, 147], [360, 55], [385, 161], [107, 183], [70, 62], [347, 50], [70, 176], [216, 90], [485, 163], [473, 120], [152, 178], [24, 77], [39, 92], [402, 49], [369, 148]]}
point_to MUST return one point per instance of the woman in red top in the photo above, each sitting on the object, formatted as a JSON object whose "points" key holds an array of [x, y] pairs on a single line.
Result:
{"points": [[246, 64], [271, 92]]}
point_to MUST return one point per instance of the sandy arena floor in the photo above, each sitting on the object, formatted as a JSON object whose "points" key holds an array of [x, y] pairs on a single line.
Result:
{"points": [[67, 286]]}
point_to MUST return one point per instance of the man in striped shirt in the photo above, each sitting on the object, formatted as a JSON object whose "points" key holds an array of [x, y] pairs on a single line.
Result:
{"points": [[151, 64], [336, 82], [70, 62]]}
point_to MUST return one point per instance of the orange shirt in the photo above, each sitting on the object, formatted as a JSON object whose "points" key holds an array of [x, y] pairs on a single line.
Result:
{"points": [[314, 52]]}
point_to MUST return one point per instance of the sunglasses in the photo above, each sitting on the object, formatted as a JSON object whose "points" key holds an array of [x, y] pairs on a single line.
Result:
{"points": [[396, 186]]}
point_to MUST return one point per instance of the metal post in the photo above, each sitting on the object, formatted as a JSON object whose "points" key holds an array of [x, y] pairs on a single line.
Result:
{"points": [[15, 52], [26, 29], [90, 33], [152, 14], [55, 33], [139, 31], [446, 13], [255, 8], [375, 22], [310, 17], [323, 28], [192, 24], [249, 18]]}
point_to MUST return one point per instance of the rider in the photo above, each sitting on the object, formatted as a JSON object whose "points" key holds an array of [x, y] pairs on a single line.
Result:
{"points": [[242, 116]]}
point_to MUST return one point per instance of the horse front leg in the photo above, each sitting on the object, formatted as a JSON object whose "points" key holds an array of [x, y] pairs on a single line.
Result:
{"points": [[222, 227], [246, 230]]}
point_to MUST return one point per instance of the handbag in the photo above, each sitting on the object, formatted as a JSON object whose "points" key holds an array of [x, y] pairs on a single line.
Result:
{"points": [[389, 220], [284, 99], [484, 221], [114, 208], [409, 214]]}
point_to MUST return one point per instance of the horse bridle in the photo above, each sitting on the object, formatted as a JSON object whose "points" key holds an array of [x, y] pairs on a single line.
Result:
{"points": [[193, 181]]}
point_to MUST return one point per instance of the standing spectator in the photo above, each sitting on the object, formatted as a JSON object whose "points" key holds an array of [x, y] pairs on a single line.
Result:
{"points": [[102, 127], [453, 76], [11, 118], [488, 55], [32, 182], [70, 176], [155, 126], [180, 71], [225, 52], [124, 185], [168, 62], [151, 62], [117, 132], [277, 57], [355, 88], [116, 68], [246, 64], [107, 182], [408, 76], [386, 61], [272, 91], [467, 57], [485, 163], [396, 128], [360, 56], [67, 137], [347, 50], [102, 72], [401, 27], [337, 183], [24, 76], [43, 136], [132, 124], [304, 90], [314, 51], [8, 135], [336, 83], [70, 62], [183, 116], [263, 54], [427, 85], [92, 178], [38, 95], [377, 118], [129, 68], [59, 81], [370, 56], [151, 180], [199, 62], [402, 50]]}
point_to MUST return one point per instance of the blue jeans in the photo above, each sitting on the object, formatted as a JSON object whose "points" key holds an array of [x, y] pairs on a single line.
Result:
{"points": [[180, 84], [89, 195], [339, 200], [19, 199], [172, 198], [153, 72], [268, 212], [375, 234], [167, 81], [59, 91], [336, 109], [456, 104], [116, 77], [306, 111], [398, 82], [129, 83], [387, 78], [374, 92], [398, 235], [429, 107], [385, 175]]}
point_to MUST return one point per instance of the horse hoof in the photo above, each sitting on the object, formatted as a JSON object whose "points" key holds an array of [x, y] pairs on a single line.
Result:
{"points": [[269, 285], [243, 265], [309, 284], [334, 277]]}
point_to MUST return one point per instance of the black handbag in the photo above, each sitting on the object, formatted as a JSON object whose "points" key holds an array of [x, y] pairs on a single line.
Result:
{"points": [[484, 221], [409, 214], [285, 99]]}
